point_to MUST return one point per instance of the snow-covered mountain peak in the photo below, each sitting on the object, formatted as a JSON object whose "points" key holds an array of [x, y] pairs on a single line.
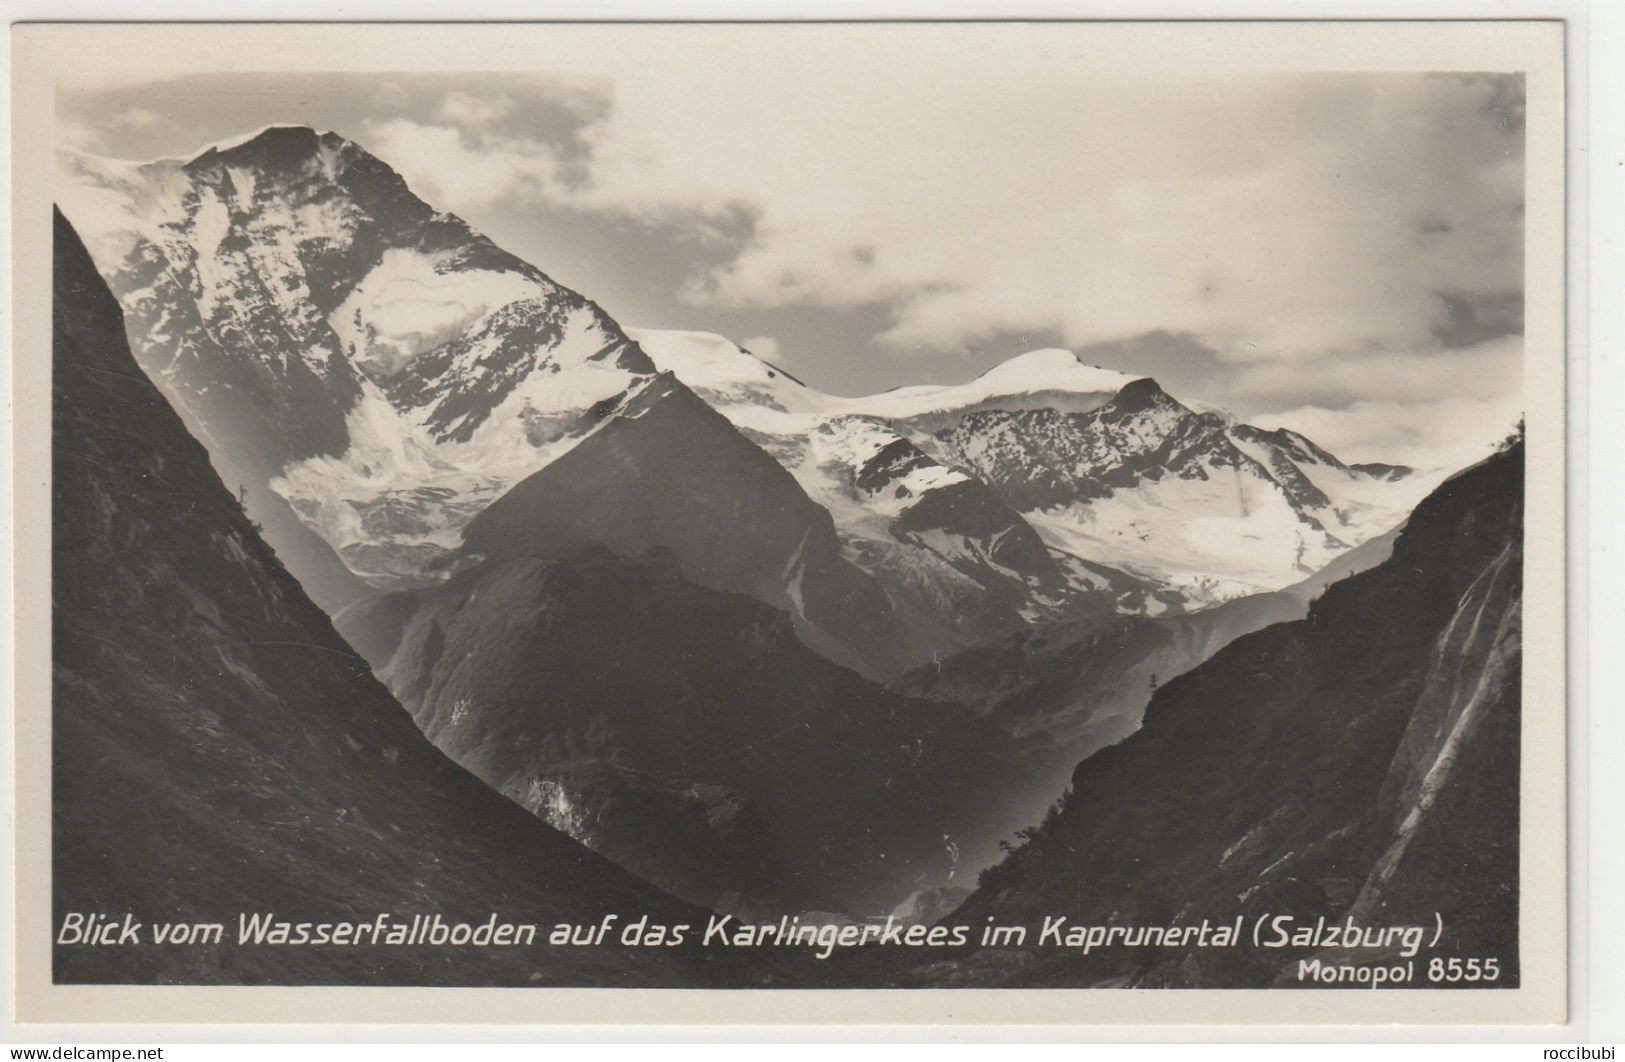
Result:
{"points": [[115, 203], [1143, 393], [377, 363], [749, 391], [1177, 492], [275, 141], [730, 376], [1051, 369], [282, 156], [1039, 379], [383, 372], [703, 359], [1107, 466]]}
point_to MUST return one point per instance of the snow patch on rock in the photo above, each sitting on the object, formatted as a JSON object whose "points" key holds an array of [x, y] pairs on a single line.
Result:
{"points": [[409, 303]]}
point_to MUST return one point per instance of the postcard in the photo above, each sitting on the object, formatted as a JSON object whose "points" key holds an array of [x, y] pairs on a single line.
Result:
{"points": [[907, 522]]}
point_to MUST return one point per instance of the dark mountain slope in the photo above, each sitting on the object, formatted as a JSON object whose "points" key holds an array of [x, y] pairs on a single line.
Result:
{"points": [[1086, 681], [373, 373], [322, 575], [997, 548], [217, 748], [690, 734], [667, 470], [1128, 483], [269, 288], [1361, 761]]}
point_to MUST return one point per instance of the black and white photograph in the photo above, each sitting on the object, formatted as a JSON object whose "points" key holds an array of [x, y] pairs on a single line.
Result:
{"points": [[939, 507]]}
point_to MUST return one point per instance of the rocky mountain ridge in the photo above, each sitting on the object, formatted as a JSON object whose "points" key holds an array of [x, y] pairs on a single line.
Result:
{"points": [[690, 734], [373, 374], [1361, 763], [344, 348], [217, 749]]}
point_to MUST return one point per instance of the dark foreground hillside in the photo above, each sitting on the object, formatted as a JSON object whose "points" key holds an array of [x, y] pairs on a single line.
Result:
{"points": [[1361, 763], [218, 749], [691, 736]]}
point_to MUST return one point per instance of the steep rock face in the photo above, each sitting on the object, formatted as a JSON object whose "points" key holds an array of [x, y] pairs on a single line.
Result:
{"points": [[340, 345], [1141, 504], [664, 469], [1040, 457], [957, 564], [1362, 761], [1085, 681], [217, 748], [769, 779], [371, 374], [1191, 500], [1449, 804]]}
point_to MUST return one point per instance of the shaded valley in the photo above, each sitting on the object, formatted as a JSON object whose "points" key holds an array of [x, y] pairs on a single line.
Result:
{"points": [[217, 748]]}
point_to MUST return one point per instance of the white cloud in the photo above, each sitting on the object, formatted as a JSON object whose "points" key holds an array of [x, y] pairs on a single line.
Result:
{"points": [[467, 110], [1303, 227], [452, 172], [1482, 372], [1273, 216], [79, 136], [1447, 433], [461, 169], [140, 118]]}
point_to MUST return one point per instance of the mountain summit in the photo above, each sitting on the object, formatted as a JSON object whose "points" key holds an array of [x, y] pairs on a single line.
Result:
{"points": [[372, 374], [217, 748], [582, 556], [1360, 764], [1129, 492], [343, 348]]}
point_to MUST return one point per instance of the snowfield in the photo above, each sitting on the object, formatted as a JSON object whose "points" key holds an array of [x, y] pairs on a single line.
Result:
{"points": [[407, 305], [443, 371], [466, 369], [1217, 530]]}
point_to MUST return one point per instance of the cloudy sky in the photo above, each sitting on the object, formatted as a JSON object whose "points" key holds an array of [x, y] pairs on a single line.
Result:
{"points": [[1342, 254]]}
